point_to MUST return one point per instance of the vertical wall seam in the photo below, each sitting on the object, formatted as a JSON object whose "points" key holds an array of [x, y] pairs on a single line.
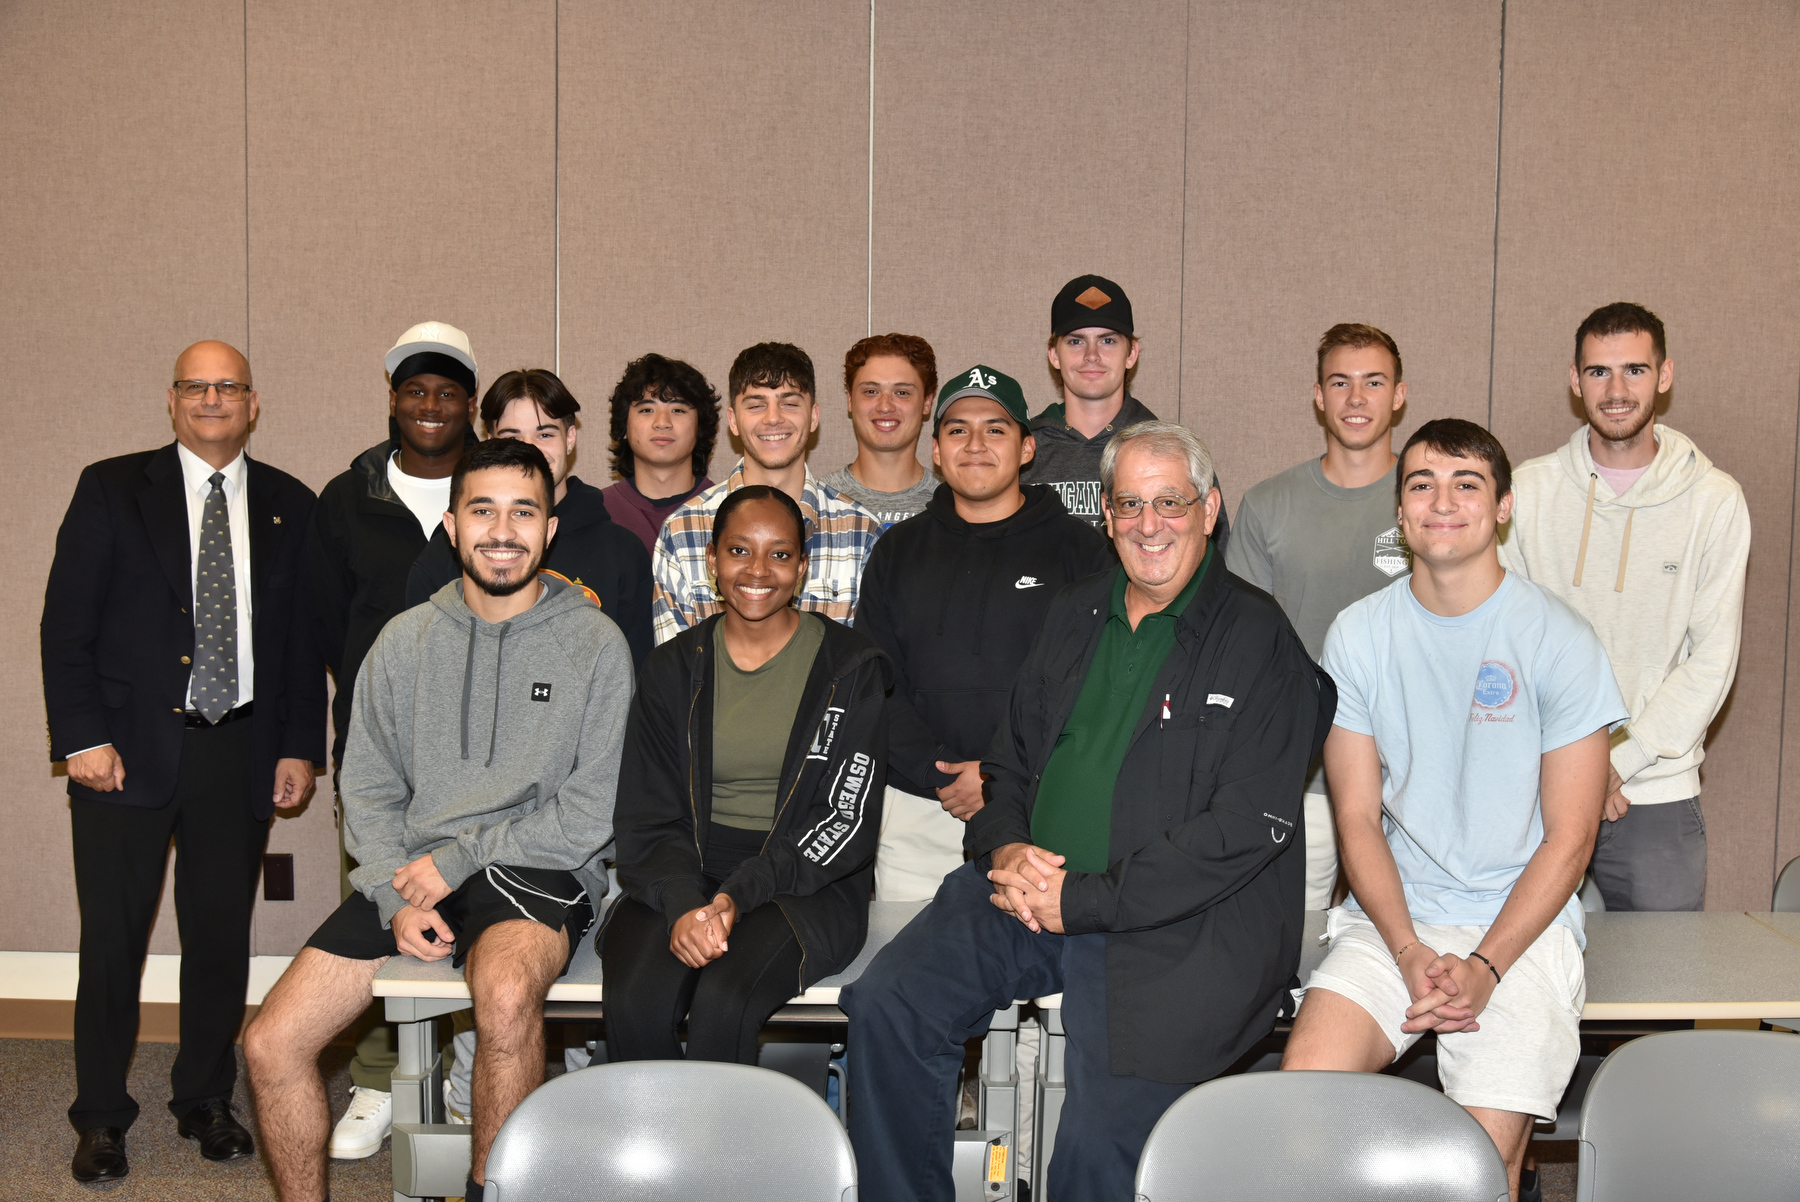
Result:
{"points": [[1494, 281], [556, 182], [246, 179], [1787, 638], [869, 269], [1187, 67]]}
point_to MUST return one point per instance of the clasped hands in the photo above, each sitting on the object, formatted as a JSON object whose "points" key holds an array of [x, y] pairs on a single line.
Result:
{"points": [[1028, 884], [1449, 992], [699, 936], [423, 887]]}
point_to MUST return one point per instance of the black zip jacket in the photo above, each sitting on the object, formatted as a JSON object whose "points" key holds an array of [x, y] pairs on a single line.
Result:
{"points": [[1202, 904], [955, 606], [1070, 463], [590, 550], [362, 542], [818, 862]]}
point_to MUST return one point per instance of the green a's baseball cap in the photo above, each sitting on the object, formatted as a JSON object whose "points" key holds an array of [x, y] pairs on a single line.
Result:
{"points": [[982, 380]]}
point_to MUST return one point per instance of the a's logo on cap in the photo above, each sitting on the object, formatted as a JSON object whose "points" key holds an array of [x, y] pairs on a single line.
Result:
{"points": [[977, 380], [1093, 298]]}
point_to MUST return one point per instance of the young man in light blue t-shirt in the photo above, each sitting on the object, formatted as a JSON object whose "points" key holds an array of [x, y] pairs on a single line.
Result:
{"points": [[1468, 765]]}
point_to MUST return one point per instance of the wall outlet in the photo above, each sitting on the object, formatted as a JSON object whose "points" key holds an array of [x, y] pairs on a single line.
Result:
{"points": [[278, 877]]}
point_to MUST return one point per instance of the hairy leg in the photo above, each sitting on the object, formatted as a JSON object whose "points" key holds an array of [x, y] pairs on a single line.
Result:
{"points": [[1511, 1133], [509, 970], [1335, 1034], [318, 996]]}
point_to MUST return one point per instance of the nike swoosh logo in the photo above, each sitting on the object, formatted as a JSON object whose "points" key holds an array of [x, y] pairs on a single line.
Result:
{"points": [[1028, 582]]}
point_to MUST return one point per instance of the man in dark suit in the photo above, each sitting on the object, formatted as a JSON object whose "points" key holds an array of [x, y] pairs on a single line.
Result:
{"points": [[184, 686]]}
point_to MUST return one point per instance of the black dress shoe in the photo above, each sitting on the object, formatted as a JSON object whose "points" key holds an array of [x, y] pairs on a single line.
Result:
{"points": [[100, 1156], [221, 1136]]}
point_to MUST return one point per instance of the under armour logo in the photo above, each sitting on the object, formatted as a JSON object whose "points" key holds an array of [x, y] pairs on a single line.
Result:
{"points": [[540, 692], [977, 380], [1028, 582]]}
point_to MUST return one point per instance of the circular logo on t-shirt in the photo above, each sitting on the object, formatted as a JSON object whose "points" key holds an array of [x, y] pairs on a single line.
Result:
{"points": [[1495, 685]]}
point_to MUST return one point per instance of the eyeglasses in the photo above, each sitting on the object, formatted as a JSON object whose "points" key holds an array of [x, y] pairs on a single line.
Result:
{"points": [[193, 390], [1171, 507]]}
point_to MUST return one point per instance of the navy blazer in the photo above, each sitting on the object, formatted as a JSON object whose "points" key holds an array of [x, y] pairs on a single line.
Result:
{"points": [[117, 631]]}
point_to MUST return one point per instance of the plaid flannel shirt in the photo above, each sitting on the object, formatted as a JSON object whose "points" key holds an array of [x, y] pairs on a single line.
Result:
{"points": [[840, 535]]}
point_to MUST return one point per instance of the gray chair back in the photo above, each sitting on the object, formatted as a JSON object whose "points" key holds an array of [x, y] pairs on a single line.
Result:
{"points": [[1350, 1137], [672, 1129], [1787, 889], [1694, 1114]]}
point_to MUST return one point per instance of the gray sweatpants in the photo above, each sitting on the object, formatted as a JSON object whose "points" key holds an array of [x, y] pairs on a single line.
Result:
{"points": [[1654, 858]]}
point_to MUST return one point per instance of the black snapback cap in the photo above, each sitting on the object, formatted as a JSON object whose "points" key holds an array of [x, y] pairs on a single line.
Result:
{"points": [[1088, 301]]}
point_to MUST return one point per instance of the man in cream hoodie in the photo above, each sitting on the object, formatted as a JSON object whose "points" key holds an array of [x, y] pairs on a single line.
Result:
{"points": [[478, 785], [1633, 527]]}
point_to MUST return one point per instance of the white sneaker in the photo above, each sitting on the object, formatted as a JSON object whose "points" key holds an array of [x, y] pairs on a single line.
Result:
{"points": [[368, 1121], [451, 1113]]}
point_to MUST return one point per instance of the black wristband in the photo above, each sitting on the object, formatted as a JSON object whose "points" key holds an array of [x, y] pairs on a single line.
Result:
{"points": [[1489, 963]]}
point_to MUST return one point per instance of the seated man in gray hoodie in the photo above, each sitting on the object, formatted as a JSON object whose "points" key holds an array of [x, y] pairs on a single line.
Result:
{"points": [[477, 786]]}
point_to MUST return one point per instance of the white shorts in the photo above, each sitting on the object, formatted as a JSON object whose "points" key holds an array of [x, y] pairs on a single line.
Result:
{"points": [[921, 843], [1530, 1037]]}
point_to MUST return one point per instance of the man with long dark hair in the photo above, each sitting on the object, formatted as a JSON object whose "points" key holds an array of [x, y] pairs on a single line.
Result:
{"points": [[665, 421]]}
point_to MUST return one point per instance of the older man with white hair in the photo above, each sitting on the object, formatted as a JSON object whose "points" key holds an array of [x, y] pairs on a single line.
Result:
{"points": [[1132, 855]]}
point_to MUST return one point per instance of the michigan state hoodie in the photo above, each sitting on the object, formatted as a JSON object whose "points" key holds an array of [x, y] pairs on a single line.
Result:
{"points": [[956, 606], [1659, 573], [486, 743]]}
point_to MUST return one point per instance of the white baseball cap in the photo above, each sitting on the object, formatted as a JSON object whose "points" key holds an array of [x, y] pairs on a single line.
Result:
{"points": [[433, 336]]}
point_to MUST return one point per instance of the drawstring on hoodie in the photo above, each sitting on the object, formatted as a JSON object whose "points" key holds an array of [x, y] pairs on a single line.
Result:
{"points": [[1587, 525], [469, 689]]}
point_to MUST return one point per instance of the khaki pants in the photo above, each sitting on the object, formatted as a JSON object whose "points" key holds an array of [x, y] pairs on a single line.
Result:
{"points": [[920, 845]]}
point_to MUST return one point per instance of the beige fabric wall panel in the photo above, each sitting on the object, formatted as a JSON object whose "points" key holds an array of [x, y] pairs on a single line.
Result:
{"points": [[402, 168], [714, 195], [1664, 171], [1018, 145], [1340, 168], [121, 242]]}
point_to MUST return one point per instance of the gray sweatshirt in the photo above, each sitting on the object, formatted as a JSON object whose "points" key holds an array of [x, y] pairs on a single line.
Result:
{"points": [[486, 744]]}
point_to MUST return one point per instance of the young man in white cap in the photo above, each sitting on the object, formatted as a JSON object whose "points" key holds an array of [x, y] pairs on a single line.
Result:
{"points": [[955, 597], [1093, 350], [371, 522], [773, 413], [1633, 527], [1323, 534]]}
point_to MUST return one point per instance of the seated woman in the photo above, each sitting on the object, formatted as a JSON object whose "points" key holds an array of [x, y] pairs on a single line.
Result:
{"points": [[749, 804]]}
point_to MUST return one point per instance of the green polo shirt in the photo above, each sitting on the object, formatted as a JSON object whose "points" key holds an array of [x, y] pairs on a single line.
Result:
{"points": [[1073, 815]]}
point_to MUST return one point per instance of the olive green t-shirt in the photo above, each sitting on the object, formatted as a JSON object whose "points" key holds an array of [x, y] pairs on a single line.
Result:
{"points": [[753, 714], [1073, 814]]}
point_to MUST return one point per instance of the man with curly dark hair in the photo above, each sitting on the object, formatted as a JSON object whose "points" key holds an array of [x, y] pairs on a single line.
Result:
{"points": [[665, 420]]}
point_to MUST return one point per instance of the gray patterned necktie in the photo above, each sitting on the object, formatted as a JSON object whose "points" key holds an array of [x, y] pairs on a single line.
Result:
{"points": [[215, 684]]}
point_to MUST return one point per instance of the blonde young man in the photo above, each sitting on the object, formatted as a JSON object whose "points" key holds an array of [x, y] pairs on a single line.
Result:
{"points": [[1322, 534]]}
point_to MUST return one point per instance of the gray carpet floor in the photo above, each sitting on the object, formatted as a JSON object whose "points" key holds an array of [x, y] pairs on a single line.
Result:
{"points": [[37, 1081]]}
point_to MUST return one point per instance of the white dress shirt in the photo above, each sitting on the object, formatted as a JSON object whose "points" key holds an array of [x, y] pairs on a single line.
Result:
{"points": [[196, 475]]}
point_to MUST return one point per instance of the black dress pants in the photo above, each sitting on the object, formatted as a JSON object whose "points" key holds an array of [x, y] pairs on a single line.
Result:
{"points": [[120, 855], [649, 991]]}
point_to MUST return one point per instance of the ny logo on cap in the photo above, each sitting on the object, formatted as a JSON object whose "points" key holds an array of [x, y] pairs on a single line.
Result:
{"points": [[977, 380], [1093, 298]]}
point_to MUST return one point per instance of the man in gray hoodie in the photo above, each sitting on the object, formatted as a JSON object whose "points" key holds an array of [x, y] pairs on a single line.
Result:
{"points": [[477, 784]]}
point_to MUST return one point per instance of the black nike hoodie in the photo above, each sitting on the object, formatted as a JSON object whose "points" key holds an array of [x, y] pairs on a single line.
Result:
{"points": [[956, 606]]}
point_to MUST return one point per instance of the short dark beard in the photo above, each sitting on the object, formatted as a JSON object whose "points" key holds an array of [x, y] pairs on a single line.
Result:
{"points": [[467, 557], [1649, 413]]}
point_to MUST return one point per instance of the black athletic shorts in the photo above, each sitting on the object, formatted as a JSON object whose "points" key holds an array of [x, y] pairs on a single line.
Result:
{"points": [[494, 894]]}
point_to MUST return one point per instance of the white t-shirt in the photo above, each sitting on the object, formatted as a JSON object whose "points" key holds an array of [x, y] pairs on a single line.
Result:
{"points": [[428, 499], [1462, 710]]}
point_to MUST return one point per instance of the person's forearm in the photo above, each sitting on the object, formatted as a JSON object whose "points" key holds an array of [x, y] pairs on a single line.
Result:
{"points": [[1537, 897], [1375, 880]]}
